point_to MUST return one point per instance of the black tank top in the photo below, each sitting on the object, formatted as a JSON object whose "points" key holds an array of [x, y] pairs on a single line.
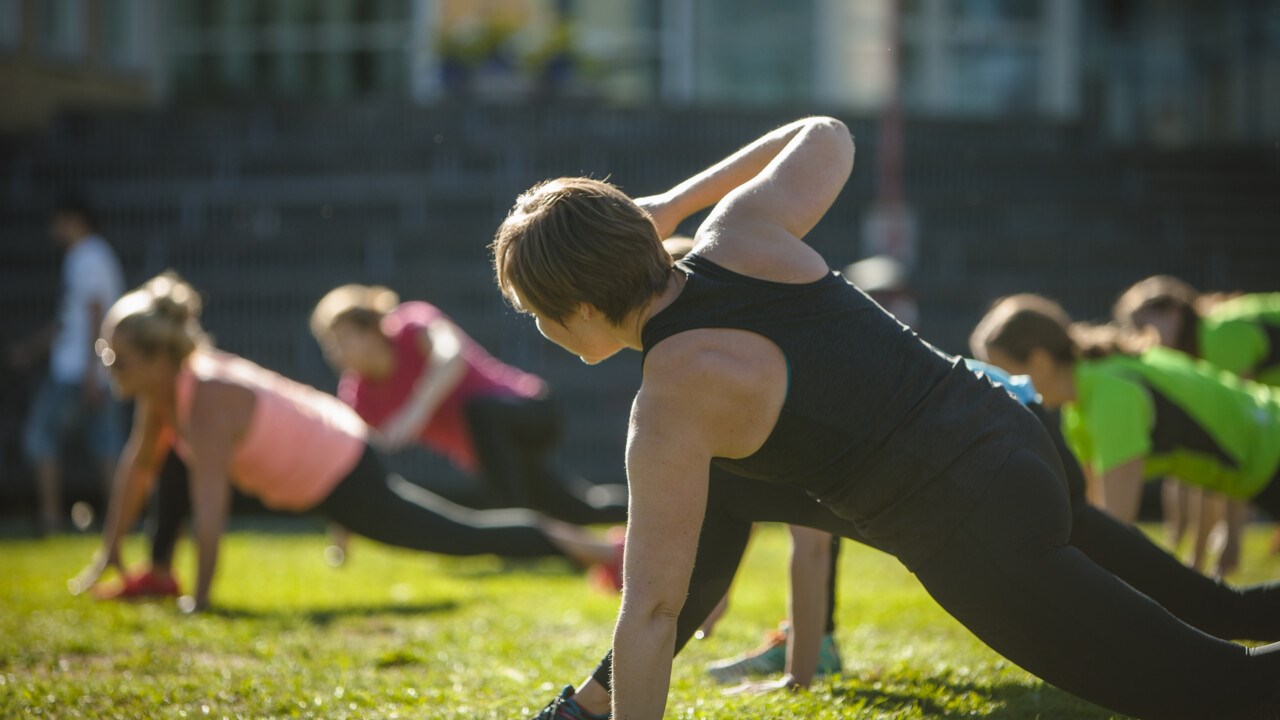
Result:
{"points": [[877, 424]]}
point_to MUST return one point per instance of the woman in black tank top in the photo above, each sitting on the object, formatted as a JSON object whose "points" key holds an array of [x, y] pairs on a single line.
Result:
{"points": [[760, 360]]}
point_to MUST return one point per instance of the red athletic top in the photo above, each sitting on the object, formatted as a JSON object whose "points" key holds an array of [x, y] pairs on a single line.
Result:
{"points": [[446, 431]]}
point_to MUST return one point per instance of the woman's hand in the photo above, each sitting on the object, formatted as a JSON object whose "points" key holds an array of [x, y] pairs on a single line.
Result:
{"points": [[92, 573], [665, 216]]}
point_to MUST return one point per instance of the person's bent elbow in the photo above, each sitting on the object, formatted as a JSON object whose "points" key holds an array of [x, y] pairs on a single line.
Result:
{"points": [[833, 130]]}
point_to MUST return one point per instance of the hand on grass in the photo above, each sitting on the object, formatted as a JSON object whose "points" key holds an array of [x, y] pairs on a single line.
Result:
{"points": [[761, 687], [92, 573]]}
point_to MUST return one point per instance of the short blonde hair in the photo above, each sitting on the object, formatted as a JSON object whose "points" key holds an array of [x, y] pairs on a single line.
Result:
{"points": [[161, 316], [574, 241], [362, 305]]}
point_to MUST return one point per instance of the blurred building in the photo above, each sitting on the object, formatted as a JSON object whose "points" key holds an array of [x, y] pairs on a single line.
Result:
{"points": [[61, 54], [1174, 71], [293, 145]]}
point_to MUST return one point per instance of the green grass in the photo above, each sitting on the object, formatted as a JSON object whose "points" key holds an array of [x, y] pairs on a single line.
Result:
{"points": [[396, 634]]}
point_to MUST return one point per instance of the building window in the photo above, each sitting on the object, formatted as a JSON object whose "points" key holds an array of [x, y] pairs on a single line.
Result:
{"points": [[10, 24], [122, 38], [755, 52], [62, 28]]}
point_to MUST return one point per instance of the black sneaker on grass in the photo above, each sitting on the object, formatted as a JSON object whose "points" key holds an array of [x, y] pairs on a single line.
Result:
{"points": [[565, 707]]}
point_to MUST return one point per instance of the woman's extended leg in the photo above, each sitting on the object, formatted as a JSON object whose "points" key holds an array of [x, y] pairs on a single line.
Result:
{"points": [[173, 504], [1212, 606], [1010, 577], [385, 507]]}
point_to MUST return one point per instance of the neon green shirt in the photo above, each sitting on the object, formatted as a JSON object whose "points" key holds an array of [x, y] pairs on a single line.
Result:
{"points": [[1242, 336], [1182, 416]]}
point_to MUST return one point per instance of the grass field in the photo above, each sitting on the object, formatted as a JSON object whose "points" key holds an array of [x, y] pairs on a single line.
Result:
{"points": [[396, 634]]}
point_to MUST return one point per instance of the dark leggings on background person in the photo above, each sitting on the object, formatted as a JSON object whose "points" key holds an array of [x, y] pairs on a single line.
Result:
{"points": [[830, 626], [734, 503], [172, 507], [514, 438], [380, 505]]}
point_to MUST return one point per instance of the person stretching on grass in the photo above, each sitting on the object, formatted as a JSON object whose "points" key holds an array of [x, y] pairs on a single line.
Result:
{"points": [[1133, 410], [734, 503], [760, 358], [295, 448], [415, 377], [1238, 334]]}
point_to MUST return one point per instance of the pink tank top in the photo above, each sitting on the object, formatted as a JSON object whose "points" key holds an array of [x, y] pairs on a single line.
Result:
{"points": [[300, 442], [447, 432]]}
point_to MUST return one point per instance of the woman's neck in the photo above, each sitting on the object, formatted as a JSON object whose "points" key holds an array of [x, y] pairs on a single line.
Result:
{"points": [[631, 329], [1064, 384]]}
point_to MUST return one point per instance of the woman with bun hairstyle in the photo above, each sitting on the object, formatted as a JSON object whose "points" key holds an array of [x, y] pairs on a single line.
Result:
{"points": [[234, 423], [1133, 410], [415, 377]]}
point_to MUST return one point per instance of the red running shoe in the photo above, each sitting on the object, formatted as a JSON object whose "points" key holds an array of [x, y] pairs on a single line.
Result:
{"points": [[141, 587], [608, 576]]}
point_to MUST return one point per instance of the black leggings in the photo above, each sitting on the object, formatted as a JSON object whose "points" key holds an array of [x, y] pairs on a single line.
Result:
{"points": [[173, 502], [382, 506], [514, 438], [1010, 576]]}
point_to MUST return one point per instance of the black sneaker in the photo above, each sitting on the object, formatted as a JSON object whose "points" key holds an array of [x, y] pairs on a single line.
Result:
{"points": [[565, 707]]}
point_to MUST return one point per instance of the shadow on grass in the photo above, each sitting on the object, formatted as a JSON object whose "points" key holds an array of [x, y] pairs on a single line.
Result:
{"points": [[509, 567], [1013, 701], [322, 617]]}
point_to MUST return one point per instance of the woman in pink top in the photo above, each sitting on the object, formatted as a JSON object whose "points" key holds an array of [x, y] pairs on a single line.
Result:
{"points": [[234, 423], [416, 377]]}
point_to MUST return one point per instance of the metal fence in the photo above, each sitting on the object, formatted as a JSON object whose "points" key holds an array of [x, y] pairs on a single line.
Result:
{"points": [[265, 209]]}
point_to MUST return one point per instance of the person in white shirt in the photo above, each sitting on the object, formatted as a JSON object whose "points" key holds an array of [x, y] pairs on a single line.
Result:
{"points": [[75, 392]]}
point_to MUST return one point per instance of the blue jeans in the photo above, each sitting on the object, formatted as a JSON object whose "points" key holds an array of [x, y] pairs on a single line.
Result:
{"points": [[59, 408]]}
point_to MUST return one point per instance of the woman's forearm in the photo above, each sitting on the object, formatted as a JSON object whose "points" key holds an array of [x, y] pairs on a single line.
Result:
{"points": [[711, 185], [211, 503], [432, 391], [129, 487], [643, 645]]}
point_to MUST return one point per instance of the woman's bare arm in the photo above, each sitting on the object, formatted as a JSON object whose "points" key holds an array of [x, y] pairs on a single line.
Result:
{"points": [[219, 416], [441, 343], [790, 176], [134, 474]]}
